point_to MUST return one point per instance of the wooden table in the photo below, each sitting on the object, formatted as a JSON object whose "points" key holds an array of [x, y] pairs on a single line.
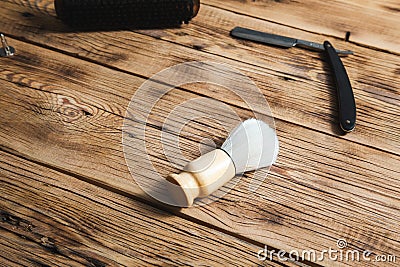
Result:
{"points": [[68, 199]]}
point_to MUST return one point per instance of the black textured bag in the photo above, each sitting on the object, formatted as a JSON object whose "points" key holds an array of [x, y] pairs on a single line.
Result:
{"points": [[116, 14]]}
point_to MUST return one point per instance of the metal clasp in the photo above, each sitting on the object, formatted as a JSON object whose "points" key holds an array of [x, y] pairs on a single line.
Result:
{"points": [[6, 50]]}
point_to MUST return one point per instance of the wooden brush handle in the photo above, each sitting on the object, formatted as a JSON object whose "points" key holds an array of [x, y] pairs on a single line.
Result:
{"points": [[201, 177]]}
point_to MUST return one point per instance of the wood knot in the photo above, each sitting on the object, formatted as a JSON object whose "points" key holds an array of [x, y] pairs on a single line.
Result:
{"points": [[70, 110]]}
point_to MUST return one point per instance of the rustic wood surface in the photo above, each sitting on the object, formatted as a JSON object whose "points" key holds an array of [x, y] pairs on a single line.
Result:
{"points": [[71, 222], [369, 23], [67, 195]]}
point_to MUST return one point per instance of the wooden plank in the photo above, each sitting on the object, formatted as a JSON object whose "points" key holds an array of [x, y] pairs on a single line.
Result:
{"points": [[370, 23], [48, 218], [291, 80], [320, 189]]}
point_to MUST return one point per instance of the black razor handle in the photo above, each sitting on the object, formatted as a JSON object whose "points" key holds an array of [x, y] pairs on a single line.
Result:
{"points": [[347, 105], [125, 14]]}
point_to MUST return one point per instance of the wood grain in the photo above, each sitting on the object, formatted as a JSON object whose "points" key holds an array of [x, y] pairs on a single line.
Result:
{"points": [[291, 80], [67, 222], [73, 122], [370, 23]]}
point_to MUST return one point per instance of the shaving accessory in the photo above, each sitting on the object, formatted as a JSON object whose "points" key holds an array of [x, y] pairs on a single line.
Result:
{"points": [[347, 105], [6, 50], [250, 146], [279, 40], [345, 96], [117, 14]]}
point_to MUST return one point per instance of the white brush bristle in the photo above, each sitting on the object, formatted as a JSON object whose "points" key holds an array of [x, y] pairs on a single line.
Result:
{"points": [[252, 145]]}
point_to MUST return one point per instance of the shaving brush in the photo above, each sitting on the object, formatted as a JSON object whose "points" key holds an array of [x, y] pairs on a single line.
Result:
{"points": [[250, 146], [117, 14]]}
